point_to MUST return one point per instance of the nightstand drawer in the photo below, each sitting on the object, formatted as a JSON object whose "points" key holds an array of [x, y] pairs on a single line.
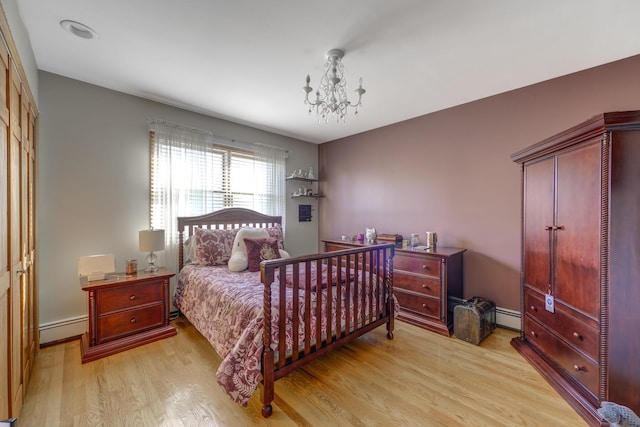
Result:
{"points": [[129, 322], [127, 297], [418, 304], [417, 283], [417, 264]]}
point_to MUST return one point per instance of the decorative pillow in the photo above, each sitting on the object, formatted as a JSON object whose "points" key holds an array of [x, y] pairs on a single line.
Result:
{"points": [[189, 251], [238, 260], [212, 247], [261, 249], [284, 254], [276, 233]]}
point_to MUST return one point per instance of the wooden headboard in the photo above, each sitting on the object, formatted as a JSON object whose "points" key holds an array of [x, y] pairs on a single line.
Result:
{"points": [[229, 218]]}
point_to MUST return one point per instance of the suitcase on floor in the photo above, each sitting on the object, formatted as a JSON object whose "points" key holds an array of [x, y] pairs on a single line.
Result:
{"points": [[474, 320]]}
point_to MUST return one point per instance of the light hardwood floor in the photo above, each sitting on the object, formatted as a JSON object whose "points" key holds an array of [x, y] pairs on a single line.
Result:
{"points": [[418, 378]]}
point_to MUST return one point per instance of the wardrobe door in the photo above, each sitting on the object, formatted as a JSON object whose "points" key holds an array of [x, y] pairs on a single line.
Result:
{"points": [[538, 214], [578, 228]]}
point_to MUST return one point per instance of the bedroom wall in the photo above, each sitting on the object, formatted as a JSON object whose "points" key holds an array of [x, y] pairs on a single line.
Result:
{"points": [[93, 181], [451, 172]]}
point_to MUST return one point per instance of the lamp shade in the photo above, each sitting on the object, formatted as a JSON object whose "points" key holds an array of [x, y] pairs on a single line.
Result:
{"points": [[151, 240]]}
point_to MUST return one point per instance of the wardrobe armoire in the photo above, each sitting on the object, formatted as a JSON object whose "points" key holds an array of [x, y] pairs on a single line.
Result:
{"points": [[581, 262]]}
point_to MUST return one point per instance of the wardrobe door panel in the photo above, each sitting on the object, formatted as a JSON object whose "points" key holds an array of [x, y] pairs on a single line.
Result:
{"points": [[538, 207], [578, 234]]}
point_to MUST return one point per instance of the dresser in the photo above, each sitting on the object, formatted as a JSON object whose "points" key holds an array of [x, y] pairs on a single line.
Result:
{"points": [[580, 268], [423, 283], [126, 311]]}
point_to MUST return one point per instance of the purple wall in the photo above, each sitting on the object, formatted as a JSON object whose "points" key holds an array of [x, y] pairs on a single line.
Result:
{"points": [[451, 172]]}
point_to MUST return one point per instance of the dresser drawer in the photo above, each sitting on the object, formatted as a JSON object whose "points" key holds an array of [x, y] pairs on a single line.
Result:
{"points": [[417, 264], [127, 297], [417, 283], [580, 367], [563, 323], [418, 304], [129, 322]]}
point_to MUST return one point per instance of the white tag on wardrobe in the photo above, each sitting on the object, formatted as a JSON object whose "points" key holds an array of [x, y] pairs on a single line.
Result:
{"points": [[549, 303]]}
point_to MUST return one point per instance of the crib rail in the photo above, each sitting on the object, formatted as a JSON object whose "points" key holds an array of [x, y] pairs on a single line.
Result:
{"points": [[350, 294]]}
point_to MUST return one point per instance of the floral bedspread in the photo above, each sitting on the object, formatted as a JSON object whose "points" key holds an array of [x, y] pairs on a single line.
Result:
{"points": [[226, 308]]}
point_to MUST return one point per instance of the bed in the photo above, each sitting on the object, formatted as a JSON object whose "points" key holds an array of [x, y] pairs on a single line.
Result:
{"points": [[285, 313]]}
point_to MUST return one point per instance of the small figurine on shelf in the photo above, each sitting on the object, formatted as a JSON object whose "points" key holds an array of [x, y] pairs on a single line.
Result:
{"points": [[310, 175]]}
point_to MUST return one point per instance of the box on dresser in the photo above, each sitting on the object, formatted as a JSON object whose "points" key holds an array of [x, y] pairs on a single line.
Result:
{"points": [[423, 283]]}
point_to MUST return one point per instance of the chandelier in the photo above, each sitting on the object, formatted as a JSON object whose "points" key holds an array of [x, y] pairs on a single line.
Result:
{"points": [[331, 97]]}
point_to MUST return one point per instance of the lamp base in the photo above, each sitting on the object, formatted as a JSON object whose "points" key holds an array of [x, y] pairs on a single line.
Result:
{"points": [[151, 260]]}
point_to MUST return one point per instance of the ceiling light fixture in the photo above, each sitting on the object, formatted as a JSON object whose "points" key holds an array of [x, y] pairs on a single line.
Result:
{"points": [[331, 97], [78, 29]]}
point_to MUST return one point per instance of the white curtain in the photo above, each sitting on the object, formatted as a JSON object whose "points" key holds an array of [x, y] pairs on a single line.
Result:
{"points": [[270, 163], [185, 178]]}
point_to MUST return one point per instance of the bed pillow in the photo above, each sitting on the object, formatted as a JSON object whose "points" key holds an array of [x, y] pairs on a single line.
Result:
{"points": [[276, 233], [261, 249], [284, 254], [212, 247], [238, 260]]}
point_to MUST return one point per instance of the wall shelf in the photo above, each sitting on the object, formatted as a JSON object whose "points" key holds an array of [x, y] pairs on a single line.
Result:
{"points": [[297, 195], [299, 178], [311, 196]]}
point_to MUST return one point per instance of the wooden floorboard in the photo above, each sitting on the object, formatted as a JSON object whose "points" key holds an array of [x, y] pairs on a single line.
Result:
{"points": [[418, 378]]}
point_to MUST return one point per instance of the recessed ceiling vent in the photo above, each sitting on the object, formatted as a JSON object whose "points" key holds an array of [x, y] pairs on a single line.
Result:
{"points": [[78, 29]]}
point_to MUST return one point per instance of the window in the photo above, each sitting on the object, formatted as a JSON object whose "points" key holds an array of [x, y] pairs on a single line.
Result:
{"points": [[193, 173]]}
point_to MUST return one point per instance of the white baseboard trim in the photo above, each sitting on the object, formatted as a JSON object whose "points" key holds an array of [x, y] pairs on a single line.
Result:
{"points": [[75, 326], [508, 318], [63, 329]]}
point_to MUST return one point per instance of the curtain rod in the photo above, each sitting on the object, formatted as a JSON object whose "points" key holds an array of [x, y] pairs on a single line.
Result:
{"points": [[208, 133]]}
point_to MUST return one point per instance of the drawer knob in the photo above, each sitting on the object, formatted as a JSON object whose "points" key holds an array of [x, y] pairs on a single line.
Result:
{"points": [[425, 306], [533, 308], [578, 368], [132, 320], [577, 336], [425, 267], [533, 334], [132, 297], [425, 286]]}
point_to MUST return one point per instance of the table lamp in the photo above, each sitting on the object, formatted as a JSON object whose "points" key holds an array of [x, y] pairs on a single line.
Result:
{"points": [[151, 241]]}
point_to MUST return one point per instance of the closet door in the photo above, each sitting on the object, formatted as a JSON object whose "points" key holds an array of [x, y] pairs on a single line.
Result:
{"points": [[5, 270], [578, 228], [28, 297], [17, 248], [539, 215]]}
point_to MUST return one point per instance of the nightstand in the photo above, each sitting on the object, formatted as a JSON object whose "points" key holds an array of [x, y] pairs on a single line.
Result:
{"points": [[126, 311]]}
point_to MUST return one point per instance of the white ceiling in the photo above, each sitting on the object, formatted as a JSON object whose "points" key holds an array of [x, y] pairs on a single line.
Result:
{"points": [[246, 60]]}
